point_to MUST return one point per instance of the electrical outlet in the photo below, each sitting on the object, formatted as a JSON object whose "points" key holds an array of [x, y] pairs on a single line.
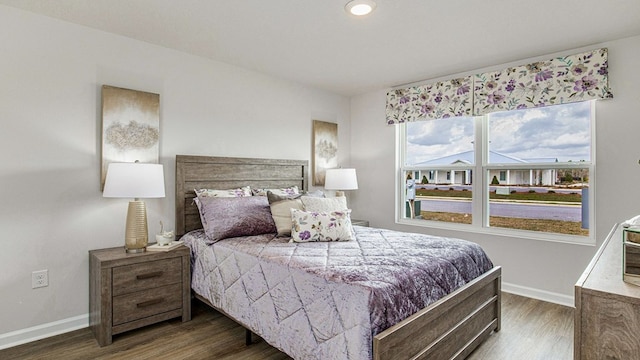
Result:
{"points": [[39, 279]]}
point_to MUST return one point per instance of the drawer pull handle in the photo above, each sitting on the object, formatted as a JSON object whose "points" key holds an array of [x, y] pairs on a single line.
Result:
{"points": [[149, 275], [149, 302]]}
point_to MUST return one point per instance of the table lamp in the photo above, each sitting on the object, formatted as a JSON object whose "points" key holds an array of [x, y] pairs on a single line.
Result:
{"points": [[340, 180], [135, 180]]}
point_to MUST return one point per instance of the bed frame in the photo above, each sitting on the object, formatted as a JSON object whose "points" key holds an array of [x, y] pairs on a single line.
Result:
{"points": [[450, 328]]}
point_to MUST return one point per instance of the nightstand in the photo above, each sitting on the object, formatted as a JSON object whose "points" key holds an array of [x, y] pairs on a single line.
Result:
{"points": [[360, 222], [128, 291]]}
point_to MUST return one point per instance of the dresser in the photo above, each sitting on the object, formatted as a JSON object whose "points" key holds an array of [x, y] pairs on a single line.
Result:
{"points": [[128, 291], [607, 314]]}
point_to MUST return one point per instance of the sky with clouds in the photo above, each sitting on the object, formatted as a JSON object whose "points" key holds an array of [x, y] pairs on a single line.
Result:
{"points": [[561, 131]]}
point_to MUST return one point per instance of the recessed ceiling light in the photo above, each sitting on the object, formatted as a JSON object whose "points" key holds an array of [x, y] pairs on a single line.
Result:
{"points": [[360, 7]]}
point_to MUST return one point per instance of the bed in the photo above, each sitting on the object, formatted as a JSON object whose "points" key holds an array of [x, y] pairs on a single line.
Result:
{"points": [[448, 328]]}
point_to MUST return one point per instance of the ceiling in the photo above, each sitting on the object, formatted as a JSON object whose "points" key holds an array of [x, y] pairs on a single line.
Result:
{"points": [[316, 42]]}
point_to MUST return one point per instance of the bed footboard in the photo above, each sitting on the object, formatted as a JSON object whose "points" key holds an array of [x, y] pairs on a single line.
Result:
{"points": [[450, 328]]}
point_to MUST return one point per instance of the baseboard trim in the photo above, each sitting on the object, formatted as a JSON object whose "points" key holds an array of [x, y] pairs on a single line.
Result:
{"points": [[538, 294], [38, 332]]}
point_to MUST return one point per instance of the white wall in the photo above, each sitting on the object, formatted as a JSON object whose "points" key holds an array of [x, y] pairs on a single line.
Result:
{"points": [[51, 209], [546, 269]]}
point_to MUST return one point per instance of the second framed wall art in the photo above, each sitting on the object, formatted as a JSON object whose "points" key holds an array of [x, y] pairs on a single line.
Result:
{"points": [[325, 149]]}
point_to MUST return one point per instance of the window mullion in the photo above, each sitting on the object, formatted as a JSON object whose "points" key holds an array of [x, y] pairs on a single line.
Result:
{"points": [[478, 178], [401, 136]]}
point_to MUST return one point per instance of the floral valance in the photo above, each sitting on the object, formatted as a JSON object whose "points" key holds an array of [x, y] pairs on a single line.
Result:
{"points": [[434, 101], [557, 81], [560, 80]]}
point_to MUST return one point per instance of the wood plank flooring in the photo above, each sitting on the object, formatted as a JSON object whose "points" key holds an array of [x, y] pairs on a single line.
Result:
{"points": [[531, 330]]}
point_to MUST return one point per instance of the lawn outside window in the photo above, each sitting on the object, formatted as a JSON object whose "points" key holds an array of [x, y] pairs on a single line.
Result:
{"points": [[526, 173]]}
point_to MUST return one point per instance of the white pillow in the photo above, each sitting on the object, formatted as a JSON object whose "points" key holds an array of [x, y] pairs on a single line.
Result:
{"points": [[310, 226], [324, 204], [239, 192], [293, 190]]}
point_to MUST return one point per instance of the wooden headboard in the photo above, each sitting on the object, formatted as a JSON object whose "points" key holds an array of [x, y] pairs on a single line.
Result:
{"points": [[227, 173]]}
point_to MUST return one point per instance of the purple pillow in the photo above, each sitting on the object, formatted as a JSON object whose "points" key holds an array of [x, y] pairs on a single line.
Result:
{"points": [[236, 216]]}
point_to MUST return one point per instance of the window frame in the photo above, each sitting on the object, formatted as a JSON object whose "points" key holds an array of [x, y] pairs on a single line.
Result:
{"points": [[480, 188]]}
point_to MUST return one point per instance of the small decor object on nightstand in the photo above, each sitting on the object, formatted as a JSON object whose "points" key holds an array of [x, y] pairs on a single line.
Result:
{"points": [[164, 237]]}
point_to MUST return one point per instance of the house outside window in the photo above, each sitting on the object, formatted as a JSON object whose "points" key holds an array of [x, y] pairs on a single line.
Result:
{"points": [[541, 159]]}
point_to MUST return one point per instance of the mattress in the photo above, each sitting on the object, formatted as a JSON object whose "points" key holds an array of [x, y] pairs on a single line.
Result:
{"points": [[326, 300]]}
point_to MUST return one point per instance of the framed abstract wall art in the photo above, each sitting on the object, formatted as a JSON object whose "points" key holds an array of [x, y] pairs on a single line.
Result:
{"points": [[130, 127], [325, 149]]}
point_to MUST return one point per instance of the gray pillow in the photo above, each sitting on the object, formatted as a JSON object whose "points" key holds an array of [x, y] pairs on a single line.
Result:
{"points": [[227, 217], [281, 206], [281, 210]]}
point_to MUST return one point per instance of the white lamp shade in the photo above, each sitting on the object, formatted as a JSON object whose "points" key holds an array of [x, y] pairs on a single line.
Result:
{"points": [[341, 179], [134, 180]]}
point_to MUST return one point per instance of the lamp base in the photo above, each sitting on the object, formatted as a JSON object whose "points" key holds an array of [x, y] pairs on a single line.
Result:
{"points": [[340, 193], [135, 251], [136, 235]]}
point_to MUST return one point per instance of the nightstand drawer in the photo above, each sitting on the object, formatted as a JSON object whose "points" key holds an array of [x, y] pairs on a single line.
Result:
{"points": [[142, 304], [132, 278]]}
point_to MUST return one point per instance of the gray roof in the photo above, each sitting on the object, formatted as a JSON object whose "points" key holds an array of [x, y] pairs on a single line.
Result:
{"points": [[467, 157]]}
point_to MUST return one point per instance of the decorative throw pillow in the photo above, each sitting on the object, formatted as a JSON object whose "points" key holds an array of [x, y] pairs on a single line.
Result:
{"points": [[282, 192], [281, 210], [226, 217], [201, 193], [324, 204], [243, 191], [321, 226]]}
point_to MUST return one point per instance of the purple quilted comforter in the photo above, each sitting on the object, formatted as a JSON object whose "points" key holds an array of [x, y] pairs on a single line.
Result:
{"points": [[326, 300]]}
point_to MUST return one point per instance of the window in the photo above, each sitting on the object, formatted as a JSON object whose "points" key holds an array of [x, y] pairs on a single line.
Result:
{"points": [[521, 170]]}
